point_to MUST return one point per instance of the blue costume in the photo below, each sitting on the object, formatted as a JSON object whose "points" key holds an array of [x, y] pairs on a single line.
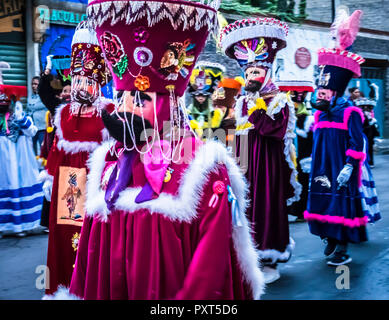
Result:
{"points": [[333, 211]]}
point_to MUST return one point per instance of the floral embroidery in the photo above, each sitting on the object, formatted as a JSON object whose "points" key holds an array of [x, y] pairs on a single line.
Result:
{"points": [[141, 35], [143, 56], [114, 53], [177, 57], [142, 83]]}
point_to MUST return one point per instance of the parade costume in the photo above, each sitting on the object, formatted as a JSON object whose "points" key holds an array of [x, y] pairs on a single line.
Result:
{"points": [[21, 193], [304, 132], [49, 90], [170, 226], [79, 131], [265, 132], [337, 207], [203, 83], [224, 99]]}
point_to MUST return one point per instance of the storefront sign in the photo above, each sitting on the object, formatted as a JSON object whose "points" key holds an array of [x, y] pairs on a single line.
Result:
{"points": [[302, 57], [54, 16]]}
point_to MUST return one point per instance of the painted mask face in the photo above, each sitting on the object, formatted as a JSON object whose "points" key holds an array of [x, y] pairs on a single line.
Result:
{"points": [[200, 98], [84, 90], [324, 94], [255, 76], [299, 97], [139, 103]]}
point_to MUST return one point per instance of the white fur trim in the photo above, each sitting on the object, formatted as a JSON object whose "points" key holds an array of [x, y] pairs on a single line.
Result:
{"points": [[71, 147], [241, 120], [61, 294], [183, 206], [275, 255], [44, 176], [309, 121]]}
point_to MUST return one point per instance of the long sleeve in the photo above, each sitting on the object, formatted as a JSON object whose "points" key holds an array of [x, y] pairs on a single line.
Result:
{"points": [[206, 275], [47, 93], [268, 127], [355, 152], [27, 126]]}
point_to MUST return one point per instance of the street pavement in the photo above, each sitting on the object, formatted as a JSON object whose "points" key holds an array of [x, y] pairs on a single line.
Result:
{"points": [[305, 276]]}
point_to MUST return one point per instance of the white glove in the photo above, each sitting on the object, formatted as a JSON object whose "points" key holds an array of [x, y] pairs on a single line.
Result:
{"points": [[49, 64], [19, 113], [306, 164], [47, 189], [344, 175]]}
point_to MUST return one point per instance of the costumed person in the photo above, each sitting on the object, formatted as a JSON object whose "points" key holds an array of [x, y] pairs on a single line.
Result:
{"points": [[370, 125], [224, 99], [79, 131], [21, 193], [338, 206], [265, 121], [304, 131], [165, 216], [203, 83], [54, 91]]}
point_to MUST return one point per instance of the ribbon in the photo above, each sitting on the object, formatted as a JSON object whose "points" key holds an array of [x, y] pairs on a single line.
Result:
{"points": [[236, 217]]}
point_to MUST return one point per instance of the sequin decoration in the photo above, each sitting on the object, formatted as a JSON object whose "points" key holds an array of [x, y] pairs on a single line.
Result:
{"points": [[141, 35], [143, 56], [142, 83], [75, 241]]}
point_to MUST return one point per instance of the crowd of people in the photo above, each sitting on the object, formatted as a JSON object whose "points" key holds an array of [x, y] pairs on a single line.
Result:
{"points": [[144, 197]]}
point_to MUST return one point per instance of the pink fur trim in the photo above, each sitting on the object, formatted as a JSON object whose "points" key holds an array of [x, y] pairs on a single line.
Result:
{"points": [[6, 122], [337, 125], [351, 223], [342, 59]]}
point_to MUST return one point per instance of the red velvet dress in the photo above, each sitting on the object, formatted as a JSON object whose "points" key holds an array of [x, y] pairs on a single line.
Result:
{"points": [[175, 246], [76, 137]]}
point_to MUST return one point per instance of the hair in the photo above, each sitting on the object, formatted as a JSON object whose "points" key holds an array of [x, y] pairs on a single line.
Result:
{"points": [[351, 90], [36, 78]]}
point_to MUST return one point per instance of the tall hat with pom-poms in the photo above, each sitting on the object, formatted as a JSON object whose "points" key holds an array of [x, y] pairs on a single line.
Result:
{"points": [[338, 65], [254, 41]]}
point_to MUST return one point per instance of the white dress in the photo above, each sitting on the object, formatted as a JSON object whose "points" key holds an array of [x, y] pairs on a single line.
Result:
{"points": [[21, 193]]}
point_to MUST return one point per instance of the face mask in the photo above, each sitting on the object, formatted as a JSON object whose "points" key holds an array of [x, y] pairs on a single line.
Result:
{"points": [[322, 105]]}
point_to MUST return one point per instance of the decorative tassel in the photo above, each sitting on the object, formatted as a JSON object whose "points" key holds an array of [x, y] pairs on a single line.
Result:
{"points": [[236, 218]]}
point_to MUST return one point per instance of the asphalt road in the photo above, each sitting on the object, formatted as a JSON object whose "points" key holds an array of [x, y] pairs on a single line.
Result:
{"points": [[305, 276]]}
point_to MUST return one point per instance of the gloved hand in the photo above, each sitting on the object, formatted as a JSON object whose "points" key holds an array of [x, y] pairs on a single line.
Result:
{"points": [[344, 175], [18, 112], [306, 164], [49, 64], [47, 189]]}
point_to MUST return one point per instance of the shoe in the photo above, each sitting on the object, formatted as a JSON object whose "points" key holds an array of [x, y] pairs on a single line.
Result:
{"points": [[300, 219], [330, 248], [46, 230], [271, 274], [21, 234], [339, 259], [372, 166]]}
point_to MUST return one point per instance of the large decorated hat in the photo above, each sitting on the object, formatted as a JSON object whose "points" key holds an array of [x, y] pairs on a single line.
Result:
{"points": [[296, 85], [228, 89], [87, 56], [254, 41], [205, 78], [152, 45], [338, 65]]}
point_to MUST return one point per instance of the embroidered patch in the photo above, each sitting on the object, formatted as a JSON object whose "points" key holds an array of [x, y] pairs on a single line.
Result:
{"points": [[324, 181], [142, 83], [143, 56], [114, 53], [177, 57], [71, 196]]}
